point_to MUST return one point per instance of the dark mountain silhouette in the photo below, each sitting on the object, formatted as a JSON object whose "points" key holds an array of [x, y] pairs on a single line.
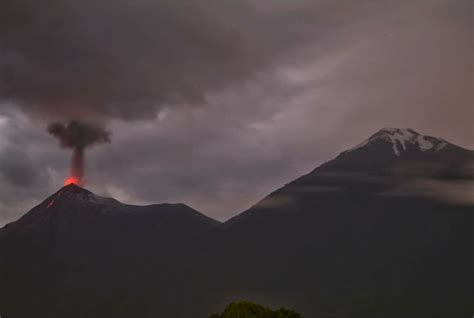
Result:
{"points": [[376, 232], [81, 255], [383, 230]]}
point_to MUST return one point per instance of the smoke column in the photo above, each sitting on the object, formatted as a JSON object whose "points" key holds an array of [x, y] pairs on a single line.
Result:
{"points": [[78, 136], [77, 164]]}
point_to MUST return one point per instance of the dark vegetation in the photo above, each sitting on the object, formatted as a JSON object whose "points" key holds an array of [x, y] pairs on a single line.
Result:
{"points": [[247, 309]]}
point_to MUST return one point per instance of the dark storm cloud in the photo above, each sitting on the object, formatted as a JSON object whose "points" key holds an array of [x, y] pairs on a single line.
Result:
{"points": [[127, 59], [122, 59]]}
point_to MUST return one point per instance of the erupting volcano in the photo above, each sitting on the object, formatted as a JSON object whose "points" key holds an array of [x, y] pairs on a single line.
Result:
{"points": [[78, 136], [72, 180]]}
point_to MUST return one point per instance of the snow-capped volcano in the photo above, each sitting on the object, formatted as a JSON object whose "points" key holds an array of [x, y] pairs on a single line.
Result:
{"points": [[403, 139], [393, 157]]}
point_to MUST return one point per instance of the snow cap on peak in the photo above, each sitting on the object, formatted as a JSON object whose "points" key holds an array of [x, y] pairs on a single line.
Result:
{"points": [[391, 130], [400, 138]]}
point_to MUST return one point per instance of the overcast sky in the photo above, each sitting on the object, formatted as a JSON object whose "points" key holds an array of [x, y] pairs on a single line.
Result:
{"points": [[217, 103]]}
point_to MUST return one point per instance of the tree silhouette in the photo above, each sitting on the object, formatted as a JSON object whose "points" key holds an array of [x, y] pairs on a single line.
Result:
{"points": [[247, 309]]}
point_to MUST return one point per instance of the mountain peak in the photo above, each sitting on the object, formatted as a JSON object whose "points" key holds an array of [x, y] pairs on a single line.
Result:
{"points": [[401, 139], [73, 188], [394, 130], [72, 193]]}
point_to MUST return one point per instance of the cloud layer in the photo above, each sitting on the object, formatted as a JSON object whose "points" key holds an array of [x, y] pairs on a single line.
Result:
{"points": [[126, 59]]}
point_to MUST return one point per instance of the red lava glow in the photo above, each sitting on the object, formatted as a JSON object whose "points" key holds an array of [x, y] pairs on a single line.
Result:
{"points": [[50, 204], [72, 180]]}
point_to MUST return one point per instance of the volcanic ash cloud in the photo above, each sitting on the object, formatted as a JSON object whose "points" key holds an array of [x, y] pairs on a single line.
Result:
{"points": [[78, 136]]}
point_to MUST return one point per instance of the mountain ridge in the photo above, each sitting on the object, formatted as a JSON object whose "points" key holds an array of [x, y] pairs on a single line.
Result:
{"points": [[396, 138], [354, 238]]}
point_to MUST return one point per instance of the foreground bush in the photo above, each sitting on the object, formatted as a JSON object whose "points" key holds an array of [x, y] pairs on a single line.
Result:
{"points": [[247, 309]]}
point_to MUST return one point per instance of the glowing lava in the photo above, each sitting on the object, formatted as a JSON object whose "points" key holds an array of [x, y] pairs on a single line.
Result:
{"points": [[72, 180]]}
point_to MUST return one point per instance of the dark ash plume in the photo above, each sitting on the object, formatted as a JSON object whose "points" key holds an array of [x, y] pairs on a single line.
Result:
{"points": [[78, 136]]}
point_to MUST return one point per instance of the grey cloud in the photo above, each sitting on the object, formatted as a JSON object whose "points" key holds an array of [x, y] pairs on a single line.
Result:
{"points": [[29, 166], [17, 169], [124, 59], [82, 59], [117, 58], [277, 201], [454, 192]]}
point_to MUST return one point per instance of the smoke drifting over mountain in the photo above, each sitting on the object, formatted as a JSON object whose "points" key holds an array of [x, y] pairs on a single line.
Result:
{"points": [[78, 136]]}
